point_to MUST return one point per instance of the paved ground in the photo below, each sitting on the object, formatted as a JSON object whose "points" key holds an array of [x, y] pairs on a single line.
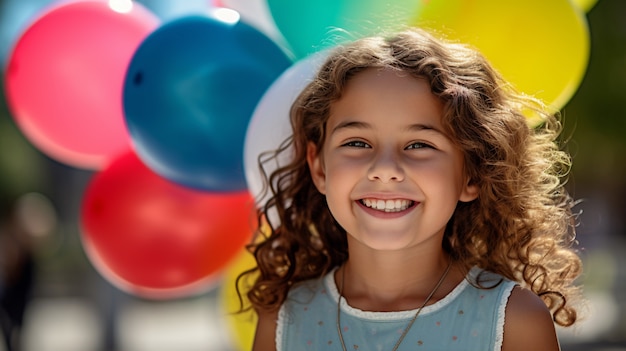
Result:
{"points": [[91, 321], [61, 324], [64, 324]]}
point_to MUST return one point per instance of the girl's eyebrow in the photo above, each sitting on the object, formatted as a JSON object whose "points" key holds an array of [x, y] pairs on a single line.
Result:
{"points": [[363, 125], [351, 124], [420, 126]]}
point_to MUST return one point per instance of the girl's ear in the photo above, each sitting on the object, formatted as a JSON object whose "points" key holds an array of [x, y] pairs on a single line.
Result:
{"points": [[316, 167], [469, 192]]}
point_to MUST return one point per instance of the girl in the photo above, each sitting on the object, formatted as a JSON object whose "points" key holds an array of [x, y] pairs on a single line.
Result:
{"points": [[419, 211]]}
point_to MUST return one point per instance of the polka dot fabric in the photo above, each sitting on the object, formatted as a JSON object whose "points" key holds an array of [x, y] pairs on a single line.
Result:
{"points": [[468, 318]]}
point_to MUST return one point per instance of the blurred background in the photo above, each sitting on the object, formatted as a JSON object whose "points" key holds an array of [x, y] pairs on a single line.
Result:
{"points": [[70, 306]]}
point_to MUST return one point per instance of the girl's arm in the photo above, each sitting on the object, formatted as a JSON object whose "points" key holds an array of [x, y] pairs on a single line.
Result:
{"points": [[528, 324], [265, 337]]}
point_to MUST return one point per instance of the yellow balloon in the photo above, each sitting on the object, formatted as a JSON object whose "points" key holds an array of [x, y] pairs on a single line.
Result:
{"points": [[541, 47], [585, 5], [242, 325]]}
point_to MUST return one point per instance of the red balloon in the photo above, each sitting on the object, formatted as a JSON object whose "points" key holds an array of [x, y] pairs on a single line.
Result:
{"points": [[65, 76], [157, 239]]}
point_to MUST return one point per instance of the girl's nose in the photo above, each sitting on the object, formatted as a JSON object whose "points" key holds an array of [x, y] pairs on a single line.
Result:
{"points": [[385, 168]]}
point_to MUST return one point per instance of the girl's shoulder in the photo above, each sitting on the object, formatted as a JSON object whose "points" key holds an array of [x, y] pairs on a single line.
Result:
{"points": [[529, 324], [264, 337]]}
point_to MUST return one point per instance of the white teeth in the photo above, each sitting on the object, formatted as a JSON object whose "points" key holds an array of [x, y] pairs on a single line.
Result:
{"points": [[387, 205]]}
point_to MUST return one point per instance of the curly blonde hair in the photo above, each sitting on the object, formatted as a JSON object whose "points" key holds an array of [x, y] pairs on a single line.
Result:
{"points": [[520, 226]]}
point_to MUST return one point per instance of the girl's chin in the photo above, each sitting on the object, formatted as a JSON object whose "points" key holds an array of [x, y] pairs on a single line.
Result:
{"points": [[383, 241]]}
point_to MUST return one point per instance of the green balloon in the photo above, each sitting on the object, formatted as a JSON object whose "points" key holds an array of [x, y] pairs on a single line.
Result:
{"points": [[310, 26]]}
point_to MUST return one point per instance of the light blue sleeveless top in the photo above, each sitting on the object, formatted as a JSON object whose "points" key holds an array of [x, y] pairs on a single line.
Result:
{"points": [[468, 318]]}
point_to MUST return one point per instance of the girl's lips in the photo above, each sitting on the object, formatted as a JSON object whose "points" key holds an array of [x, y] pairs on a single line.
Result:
{"points": [[384, 214], [388, 205]]}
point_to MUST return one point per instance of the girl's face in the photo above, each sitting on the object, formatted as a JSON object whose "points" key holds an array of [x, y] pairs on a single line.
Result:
{"points": [[391, 176]]}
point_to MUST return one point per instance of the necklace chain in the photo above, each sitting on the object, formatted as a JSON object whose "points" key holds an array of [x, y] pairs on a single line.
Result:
{"points": [[406, 330]]}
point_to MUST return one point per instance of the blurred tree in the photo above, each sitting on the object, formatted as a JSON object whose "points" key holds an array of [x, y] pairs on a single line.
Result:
{"points": [[597, 112], [595, 118]]}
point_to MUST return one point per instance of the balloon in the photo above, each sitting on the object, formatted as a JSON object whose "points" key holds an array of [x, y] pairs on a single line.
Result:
{"points": [[157, 239], [241, 325], [65, 75], [585, 5], [270, 125], [313, 25], [541, 47], [257, 14], [189, 94]]}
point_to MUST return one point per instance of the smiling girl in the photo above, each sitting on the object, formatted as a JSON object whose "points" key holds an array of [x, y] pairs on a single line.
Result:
{"points": [[420, 209]]}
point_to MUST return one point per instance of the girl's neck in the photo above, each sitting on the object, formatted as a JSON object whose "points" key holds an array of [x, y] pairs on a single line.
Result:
{"points": [[394, 281]]}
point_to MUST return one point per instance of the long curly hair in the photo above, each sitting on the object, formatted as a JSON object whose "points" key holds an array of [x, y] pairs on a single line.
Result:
{"points": [[521, 225]]}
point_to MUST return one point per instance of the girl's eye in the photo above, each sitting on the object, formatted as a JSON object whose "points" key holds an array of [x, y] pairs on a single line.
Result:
{"points": [[357, 143], [418, 145]]}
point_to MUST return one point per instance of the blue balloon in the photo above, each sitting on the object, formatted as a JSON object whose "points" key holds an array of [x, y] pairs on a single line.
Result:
{"points": [[190, 91]]}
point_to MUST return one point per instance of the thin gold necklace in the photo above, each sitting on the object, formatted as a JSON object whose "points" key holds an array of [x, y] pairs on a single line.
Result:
{"points": [[406, 330]]}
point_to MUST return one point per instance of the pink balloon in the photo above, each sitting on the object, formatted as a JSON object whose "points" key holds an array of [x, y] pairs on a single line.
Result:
{"points": [[65, 76]]}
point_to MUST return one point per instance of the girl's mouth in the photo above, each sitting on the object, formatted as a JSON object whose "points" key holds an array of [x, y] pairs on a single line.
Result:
{"points": [[395, 205]]}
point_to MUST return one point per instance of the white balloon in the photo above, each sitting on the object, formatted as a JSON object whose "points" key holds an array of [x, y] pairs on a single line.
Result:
{"points": [[270, 123]]}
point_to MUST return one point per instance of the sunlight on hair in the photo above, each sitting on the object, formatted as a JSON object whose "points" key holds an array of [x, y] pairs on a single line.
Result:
{"points": [[226, 15], [121, 6]]}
